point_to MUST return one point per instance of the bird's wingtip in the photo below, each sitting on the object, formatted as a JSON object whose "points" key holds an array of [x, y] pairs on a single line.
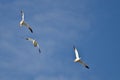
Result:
{"points": [[26, 38], [39, 51], [31, 30], [74, 46], [21, 11], [87, 67]]}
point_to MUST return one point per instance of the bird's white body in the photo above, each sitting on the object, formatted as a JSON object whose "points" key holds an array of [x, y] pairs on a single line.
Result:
{"points": [[21, 23], [78, 59], [35, 43]]}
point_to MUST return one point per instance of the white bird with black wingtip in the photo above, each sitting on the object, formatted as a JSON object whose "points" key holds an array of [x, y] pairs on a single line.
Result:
{"points": [[23, 23], [34, 43], [78, 59]]}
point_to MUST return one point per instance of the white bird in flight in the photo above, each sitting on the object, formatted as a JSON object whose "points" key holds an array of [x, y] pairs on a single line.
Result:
{"points": [[23, 23], [78, 59], [34, 43]]}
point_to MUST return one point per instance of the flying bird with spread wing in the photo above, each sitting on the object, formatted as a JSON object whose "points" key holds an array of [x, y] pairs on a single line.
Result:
{"points": [[23, 23], [78, 59], [34, 43]]}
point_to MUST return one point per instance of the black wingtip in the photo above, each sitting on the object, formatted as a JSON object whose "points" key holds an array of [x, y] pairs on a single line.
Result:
{"points": [[31, 30], [26, 38], [39, 51], [74, 46], [87, 67], [21, 11]]}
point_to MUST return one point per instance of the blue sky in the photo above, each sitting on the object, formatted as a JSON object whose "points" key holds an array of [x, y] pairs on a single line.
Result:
{"points": [[91, 25]]}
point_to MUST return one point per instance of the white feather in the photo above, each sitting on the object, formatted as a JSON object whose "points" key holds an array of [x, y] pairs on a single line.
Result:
{"points": [[76, 53], [22, 13]]}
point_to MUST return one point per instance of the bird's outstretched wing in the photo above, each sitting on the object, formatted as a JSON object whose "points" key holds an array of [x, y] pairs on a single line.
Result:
{"points": [[22, 14], [28, 26], [39, 48], [76, 53], [30, 39], [84, 64]]}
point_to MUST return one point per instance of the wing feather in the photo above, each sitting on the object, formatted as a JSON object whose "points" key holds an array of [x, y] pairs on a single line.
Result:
{"points": [[76, 53], [84, 64], [30, 39], [28, 26], [22, 13]]}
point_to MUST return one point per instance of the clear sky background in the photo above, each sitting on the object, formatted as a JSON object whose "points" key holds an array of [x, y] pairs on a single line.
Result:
{"points": [[93, 26]]}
